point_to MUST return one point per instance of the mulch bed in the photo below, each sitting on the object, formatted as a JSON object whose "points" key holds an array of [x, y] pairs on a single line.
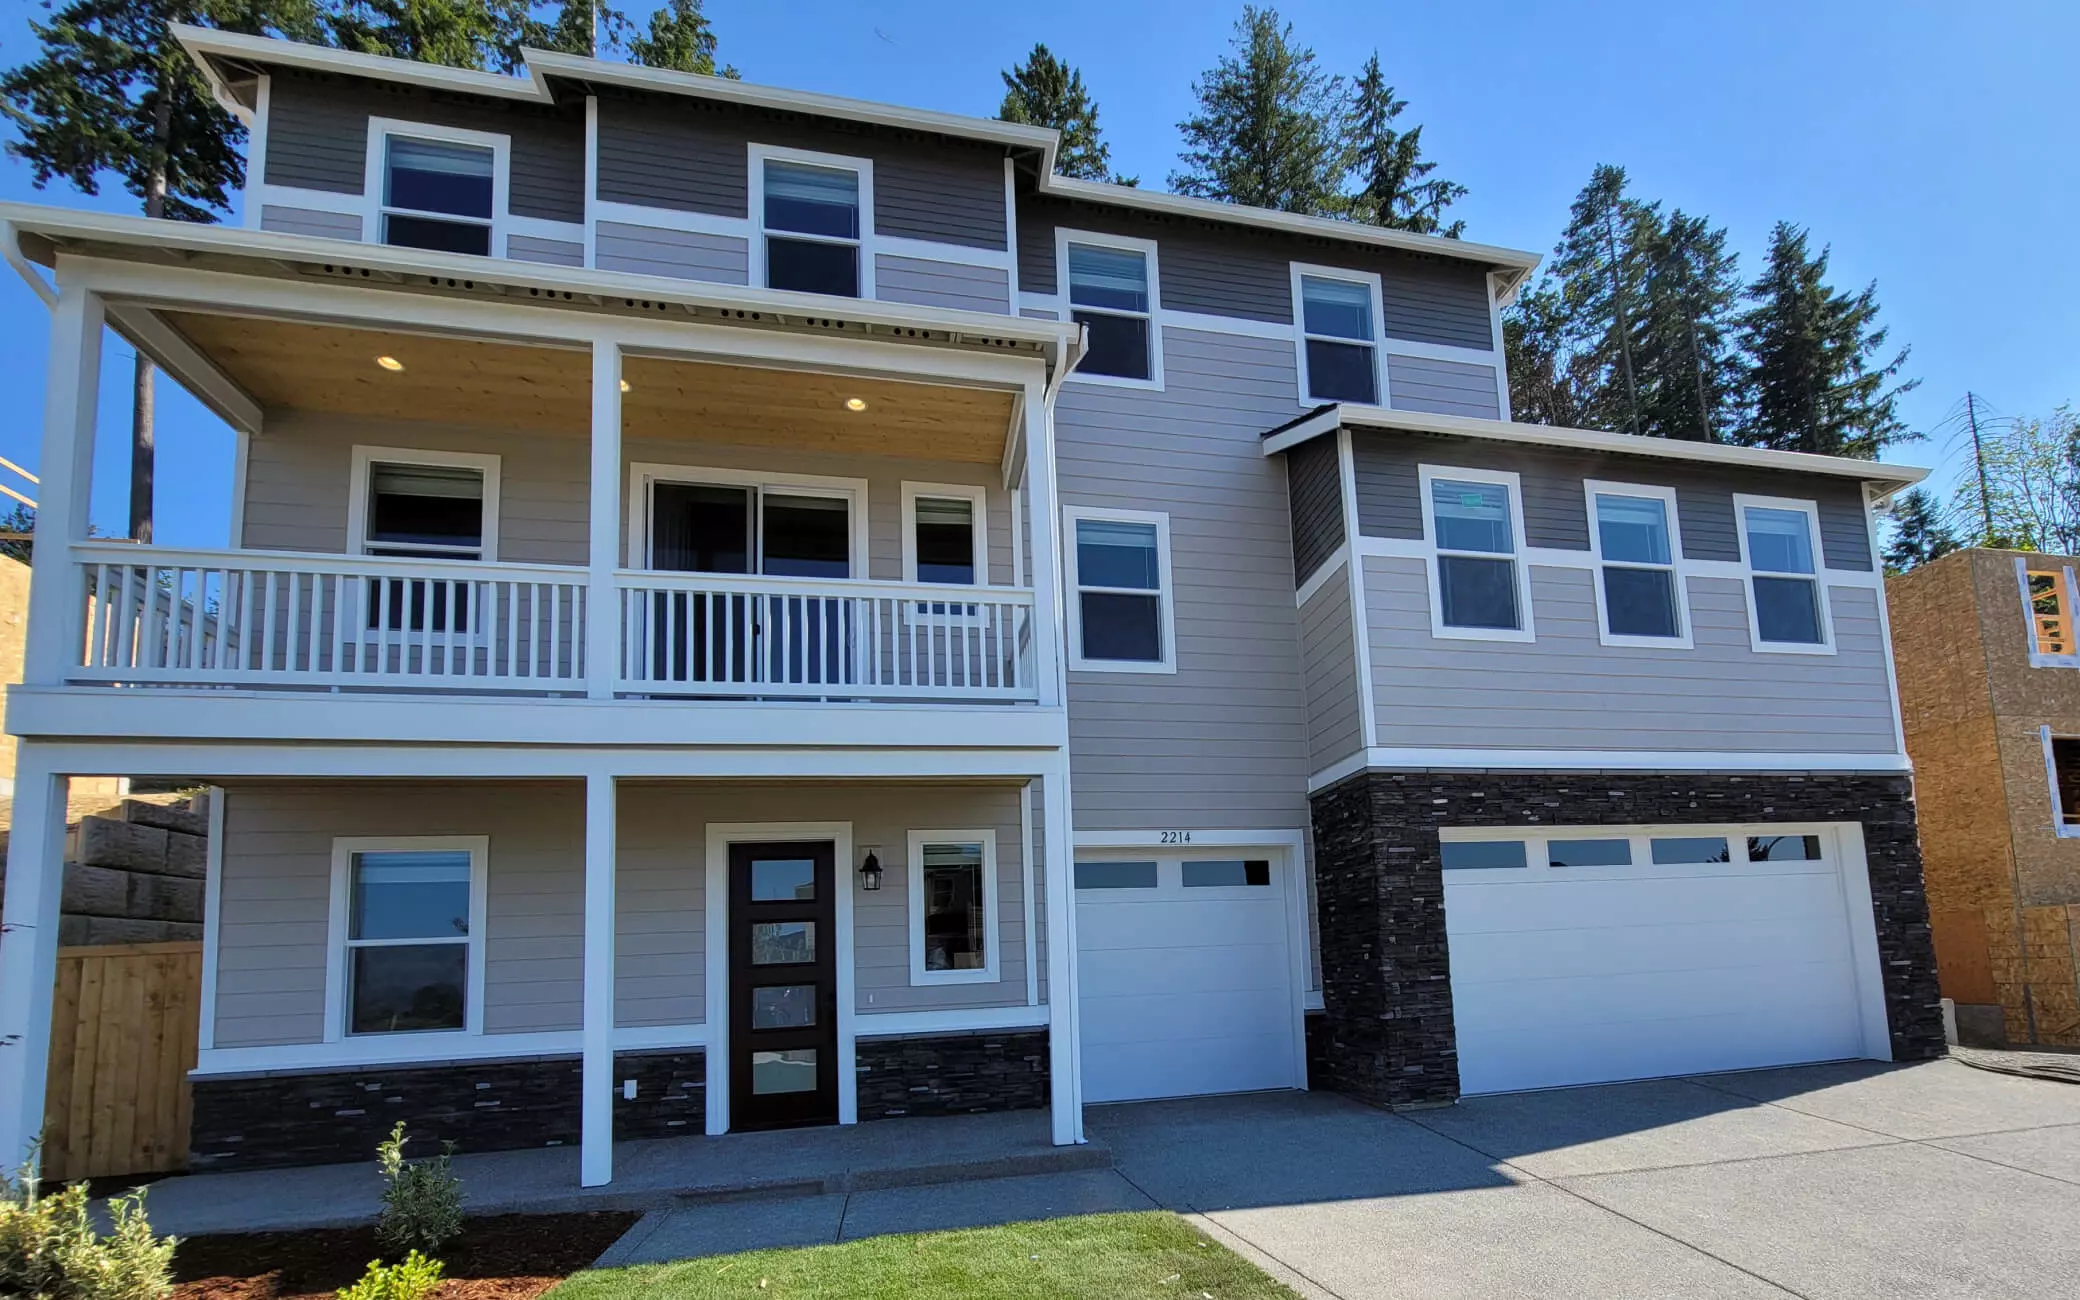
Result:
{"points": [[500, 1257]]}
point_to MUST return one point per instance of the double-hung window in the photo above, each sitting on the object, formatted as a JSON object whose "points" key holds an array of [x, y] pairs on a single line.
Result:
{"points": [[407, 917], [812, 217], [953, 907], [1119, 570], [424, 506], [438, 191], [1339, 332], [1472, 518], [1110, 287], [1787, 603], [1639, 595]]}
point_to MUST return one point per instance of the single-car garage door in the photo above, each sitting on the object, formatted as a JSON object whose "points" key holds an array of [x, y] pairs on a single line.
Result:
{"points": [[1187, 974], [1585, 956]]}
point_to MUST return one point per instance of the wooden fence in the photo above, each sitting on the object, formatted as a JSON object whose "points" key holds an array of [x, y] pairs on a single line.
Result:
{"points": [[123, 1027]]}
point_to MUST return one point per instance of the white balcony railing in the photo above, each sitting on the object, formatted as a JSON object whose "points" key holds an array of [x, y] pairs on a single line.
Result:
{"points": [[702, 634], [254, 618]]}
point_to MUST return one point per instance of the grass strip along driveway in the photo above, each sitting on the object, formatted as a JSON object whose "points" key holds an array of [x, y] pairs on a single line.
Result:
{"points": [[1099, 1257]]}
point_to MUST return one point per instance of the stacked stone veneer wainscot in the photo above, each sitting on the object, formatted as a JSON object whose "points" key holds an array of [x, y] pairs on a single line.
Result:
{"points": [[260, 1121], [952, 1074], [1387, 1034]]}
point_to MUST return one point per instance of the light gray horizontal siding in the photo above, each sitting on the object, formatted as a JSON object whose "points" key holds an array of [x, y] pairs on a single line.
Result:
{"points": [[309, 221], [1315, 483], [687, 254], [317, 138], [556, 252], [298, 484], [696, 157], [1236, 271], [1328, 661], [1442, 387], [1556, 509], [1223, 741], [925, 283], [1568, 691]]}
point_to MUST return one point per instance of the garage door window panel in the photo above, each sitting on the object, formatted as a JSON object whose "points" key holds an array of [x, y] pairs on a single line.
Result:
{"points": [[953, 907], [1684, 850], [1784, 848], [1116, 875], [1231, 873], [1482, 855], [1589, 853]]}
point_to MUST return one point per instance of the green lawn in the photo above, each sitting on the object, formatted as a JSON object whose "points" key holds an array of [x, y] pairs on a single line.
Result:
{"points": [[1102, 1256]]}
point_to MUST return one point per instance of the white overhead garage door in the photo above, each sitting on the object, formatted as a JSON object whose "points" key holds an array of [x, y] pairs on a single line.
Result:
{"points": [[1592, 955], [1187, 973]]}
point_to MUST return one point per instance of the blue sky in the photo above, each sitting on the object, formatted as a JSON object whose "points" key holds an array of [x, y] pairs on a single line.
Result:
{"points": [[1929, 143]]}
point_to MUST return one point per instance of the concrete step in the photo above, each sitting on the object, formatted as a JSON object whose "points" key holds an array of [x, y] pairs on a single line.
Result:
{"points": [[877, 1176]]}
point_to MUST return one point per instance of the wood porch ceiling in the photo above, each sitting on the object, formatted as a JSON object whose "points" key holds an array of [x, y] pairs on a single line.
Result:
{"points": [[524, 388]]}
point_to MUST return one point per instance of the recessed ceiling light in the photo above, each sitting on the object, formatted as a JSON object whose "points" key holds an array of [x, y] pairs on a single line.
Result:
{"points": [[855, 403], [390, 363], [624, 385]]}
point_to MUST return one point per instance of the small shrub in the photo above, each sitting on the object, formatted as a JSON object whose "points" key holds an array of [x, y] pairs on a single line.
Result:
{"points": [[422, 1206], [414, 1279], [49, 1248]]}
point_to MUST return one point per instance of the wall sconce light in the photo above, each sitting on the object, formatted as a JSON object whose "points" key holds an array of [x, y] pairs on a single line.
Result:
{"points": [[870, 872]]}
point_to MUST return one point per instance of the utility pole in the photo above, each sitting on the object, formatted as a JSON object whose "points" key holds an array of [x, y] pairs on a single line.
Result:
{"points": [[1971, 415]]}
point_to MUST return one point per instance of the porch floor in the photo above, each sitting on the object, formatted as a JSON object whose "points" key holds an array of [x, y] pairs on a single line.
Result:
{"points": [[657, 1173]]}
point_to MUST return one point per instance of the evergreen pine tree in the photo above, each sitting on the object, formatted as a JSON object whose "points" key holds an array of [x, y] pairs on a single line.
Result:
{"points": [[1602, 286], [1815, 374], [475, 34], [1395, 186], [680, 38], [1919, 533], [1044, 91], [1270, 127], [112, 92], [1549, 381], [1682, 342]]}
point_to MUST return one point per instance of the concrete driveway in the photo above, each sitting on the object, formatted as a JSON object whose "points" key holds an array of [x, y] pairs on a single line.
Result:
{"points": [[1846, 1180]]}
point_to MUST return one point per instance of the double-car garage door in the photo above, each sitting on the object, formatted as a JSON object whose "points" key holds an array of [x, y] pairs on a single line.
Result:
{"points": [[1591, 955]]}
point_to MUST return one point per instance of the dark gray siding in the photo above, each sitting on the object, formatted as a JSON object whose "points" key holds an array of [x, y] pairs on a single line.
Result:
{"points": [[1328, 663], [695, 157], [317, 138], [1316, 487], [1556, 511], [1232, 271]]}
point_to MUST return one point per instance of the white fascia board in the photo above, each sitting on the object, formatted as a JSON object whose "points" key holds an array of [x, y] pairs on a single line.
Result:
{"points": [[1346, 232], [187, 364], [1403, 759], [206, 44], [1623, 444], [87, 228]]}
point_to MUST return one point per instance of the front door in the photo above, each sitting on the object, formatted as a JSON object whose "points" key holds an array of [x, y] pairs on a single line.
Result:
{"points": [[783, 996]]}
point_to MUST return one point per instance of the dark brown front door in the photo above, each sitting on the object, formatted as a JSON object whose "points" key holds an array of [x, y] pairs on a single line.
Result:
{"points": [[783, 996]]}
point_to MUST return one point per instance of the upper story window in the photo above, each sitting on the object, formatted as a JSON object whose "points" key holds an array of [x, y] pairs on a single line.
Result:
{"points": [[1473, 519], [1787, 604], [407, 920], [811, 210], [1339, 333], [426, 505], [1120, 617], [439, 191], [1639, 594], [2050, 619], [1110, 285], [945, 538]]}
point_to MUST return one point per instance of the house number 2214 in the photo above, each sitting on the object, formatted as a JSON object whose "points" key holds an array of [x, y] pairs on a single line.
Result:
{"points": [[1176, 837]]}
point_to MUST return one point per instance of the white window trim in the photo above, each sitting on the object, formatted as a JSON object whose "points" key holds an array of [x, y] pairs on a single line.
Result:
{"points": [[2059, 826], [372, 185], [759, 156], [1684, 638], [1742, 502], [1063, 237], [2029, 614], [978, 499], [366, 457], [1371, 281], [987, 973], [1520, 559], [343, 850], [641, 476], [1167, 597]]}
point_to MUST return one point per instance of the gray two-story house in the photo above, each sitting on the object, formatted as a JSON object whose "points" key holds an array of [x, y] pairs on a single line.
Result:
{"points": [[748, 609]]}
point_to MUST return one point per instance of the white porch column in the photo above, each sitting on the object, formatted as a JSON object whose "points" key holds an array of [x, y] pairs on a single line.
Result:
{"points": [[603, 616], [1045, 522], [29, 948], [57, 591], [596, 1139], [1064, 1044]]}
